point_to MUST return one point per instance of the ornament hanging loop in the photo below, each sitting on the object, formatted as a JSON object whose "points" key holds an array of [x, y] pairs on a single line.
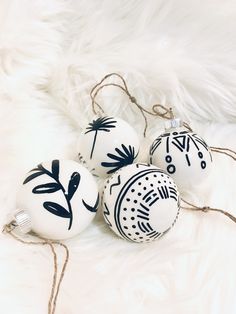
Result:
{"points": [[157, 110], [99, 86], [162, 112]]}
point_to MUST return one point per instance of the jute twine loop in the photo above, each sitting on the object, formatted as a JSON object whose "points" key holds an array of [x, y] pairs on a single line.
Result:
{"points": [[55, 289], [157, 110]]}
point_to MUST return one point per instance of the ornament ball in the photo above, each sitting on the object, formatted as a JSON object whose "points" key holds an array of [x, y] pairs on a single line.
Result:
{"points": [[57, 200], [140, 202]]}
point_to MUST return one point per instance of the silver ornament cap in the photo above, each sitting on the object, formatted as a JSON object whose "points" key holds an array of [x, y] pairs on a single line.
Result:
{"points": [[23, 221], [173, 123]]}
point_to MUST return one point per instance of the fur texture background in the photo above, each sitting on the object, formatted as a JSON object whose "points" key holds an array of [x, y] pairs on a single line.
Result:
{"points": [[172, 52]]}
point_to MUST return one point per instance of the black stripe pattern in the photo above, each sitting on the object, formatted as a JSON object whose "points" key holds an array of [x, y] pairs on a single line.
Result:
{"points": [[185, 142], [132, 203]]}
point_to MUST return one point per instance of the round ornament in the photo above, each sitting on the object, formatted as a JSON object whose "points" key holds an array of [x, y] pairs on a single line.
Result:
{"points": [[140, 202], [57, 200], [182, 154], [107, 144]]}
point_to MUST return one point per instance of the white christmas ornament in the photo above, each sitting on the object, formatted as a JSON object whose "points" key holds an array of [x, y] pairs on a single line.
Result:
{"points": [[140, 202], [58, 199], [107, 144], [183, 154]]}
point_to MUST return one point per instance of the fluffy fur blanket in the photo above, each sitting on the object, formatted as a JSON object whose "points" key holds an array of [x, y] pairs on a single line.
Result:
{"points": [[171, 52]]}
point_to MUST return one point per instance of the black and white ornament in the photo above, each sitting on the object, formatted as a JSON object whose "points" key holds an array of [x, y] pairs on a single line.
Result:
{"points": [[182, 154], [107, 144], [57, 200], [140, 202]]}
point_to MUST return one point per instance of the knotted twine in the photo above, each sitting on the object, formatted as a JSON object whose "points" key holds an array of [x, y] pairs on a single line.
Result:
{"points": [[55, 289], [157, 110], [161, 111]]}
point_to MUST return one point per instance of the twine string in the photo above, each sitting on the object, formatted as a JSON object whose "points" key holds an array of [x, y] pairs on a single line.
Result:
{"points": [[55, 288], [187, 126], [157, 110], [61, 275], [206, 209], [226, 151]]}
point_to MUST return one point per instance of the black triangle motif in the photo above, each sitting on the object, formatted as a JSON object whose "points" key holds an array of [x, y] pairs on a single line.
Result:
{"points": [[181, 141]]}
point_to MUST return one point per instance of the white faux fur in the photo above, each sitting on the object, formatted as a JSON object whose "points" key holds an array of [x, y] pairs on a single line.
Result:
{"points": [[171, 52]]}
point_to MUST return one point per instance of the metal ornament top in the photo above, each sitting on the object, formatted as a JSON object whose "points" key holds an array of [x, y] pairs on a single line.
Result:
{"points": [[173, 123]]}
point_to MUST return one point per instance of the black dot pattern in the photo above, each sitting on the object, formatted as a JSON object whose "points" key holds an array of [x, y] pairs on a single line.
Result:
{"points": [[134, 219]]}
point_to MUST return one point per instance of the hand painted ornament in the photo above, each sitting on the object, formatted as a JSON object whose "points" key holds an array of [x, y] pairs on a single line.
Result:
{"points": [[107, 144], [140, 202], [57, 200], [183, 154]]}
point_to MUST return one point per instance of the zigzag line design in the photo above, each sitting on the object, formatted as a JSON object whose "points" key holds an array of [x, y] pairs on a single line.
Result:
{"points": [[106, 213], [114, 184]]}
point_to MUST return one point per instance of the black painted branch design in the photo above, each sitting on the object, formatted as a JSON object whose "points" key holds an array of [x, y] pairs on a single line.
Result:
{"points": [[52, 187], [100, 124]]}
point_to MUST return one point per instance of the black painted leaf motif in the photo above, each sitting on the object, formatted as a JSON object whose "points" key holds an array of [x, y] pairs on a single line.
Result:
{"points": [[101, 124], [55, 168], [56, 209], [51, 187], [32, 176], [125, 156], [46, 188], [73, 184], [94, 208]]}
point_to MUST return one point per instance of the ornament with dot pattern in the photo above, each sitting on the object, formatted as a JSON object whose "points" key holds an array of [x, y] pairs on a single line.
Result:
{"points": [[140, 202]]}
